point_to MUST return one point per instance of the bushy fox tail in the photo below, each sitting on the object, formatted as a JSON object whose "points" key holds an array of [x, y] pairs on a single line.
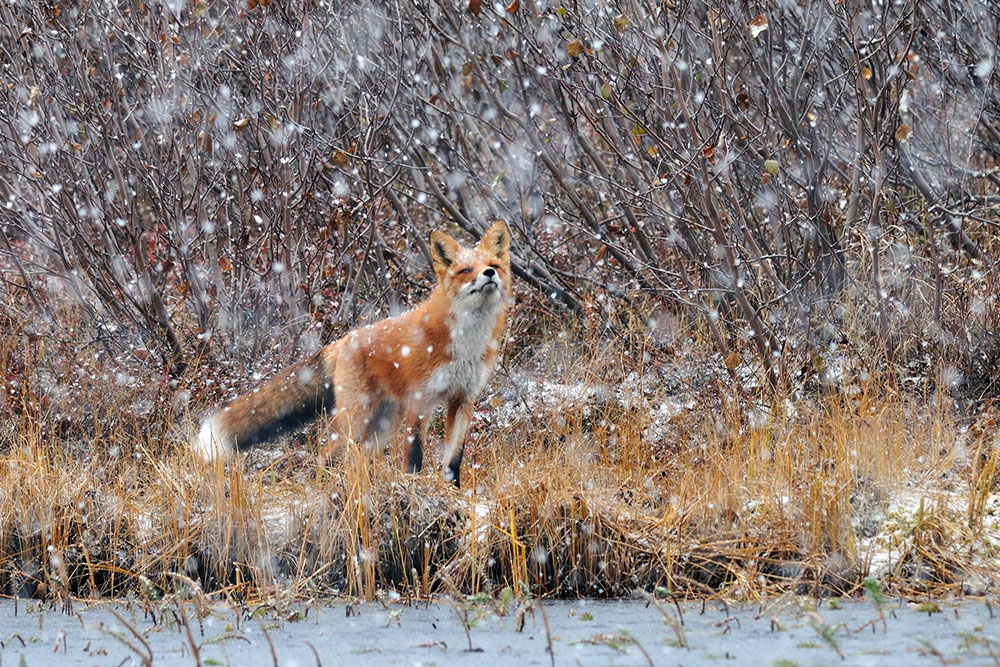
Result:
{"points": [[295, 396]]}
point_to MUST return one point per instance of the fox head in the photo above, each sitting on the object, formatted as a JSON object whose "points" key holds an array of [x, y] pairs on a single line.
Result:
{"points": [[474, 277]]}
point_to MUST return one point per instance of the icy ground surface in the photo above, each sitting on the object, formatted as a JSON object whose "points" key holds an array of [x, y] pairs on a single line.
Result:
{"points": [[788, 632]]}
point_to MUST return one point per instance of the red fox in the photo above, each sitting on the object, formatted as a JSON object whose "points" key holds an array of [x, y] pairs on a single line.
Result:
{"points": [[398, 370]]}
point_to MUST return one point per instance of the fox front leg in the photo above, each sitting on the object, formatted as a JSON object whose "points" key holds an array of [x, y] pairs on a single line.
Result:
{"points": [[416, 436], [456, 426]]}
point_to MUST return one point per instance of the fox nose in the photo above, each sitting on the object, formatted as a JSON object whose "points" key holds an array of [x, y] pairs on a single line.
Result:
{"points": [[489, 273]]}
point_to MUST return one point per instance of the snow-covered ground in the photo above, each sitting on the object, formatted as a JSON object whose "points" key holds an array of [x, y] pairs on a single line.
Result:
{"points": [[783, 631]]}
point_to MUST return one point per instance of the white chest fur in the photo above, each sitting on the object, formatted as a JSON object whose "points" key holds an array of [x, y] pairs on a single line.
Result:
{"points": [[466, 373]]}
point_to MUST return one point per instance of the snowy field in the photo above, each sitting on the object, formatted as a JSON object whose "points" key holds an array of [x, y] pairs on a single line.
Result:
{"points": [[790, 631]]}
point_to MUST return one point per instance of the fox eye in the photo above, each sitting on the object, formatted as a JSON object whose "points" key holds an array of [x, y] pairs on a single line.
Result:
{"points": [[494, 266], [464, 271]]}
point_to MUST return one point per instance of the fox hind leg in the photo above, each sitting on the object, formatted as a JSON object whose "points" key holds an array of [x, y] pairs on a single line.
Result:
{"points": [[382, 423]]}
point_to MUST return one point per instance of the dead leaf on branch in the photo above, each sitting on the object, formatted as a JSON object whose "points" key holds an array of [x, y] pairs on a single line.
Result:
{"points": [[575, 48], [758, 24], [340, 158]]}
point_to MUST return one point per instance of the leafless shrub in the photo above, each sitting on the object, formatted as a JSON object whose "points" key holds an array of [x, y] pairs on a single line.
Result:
{"points": [[190, 175]]}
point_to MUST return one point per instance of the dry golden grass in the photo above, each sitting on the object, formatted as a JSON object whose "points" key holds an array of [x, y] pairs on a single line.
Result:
{"points": [[575, 487]]}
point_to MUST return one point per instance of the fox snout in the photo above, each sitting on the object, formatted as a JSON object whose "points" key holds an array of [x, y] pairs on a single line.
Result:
{"points": [[489, 277], [487, 280]]}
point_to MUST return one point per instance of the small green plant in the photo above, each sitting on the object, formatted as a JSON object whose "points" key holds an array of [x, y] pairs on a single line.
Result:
{"points": [[971, 642], [826, 632], [928, 648], [148, 589], [460, 605], [586, 616], [833, 603], [807, 604], [873, 590], [784, 662], [506, 598], [928, 608], [619, 641]]}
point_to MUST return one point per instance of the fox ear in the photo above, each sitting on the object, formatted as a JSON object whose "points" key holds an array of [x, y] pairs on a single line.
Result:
{"points": [[443, 251], [496, 240]]}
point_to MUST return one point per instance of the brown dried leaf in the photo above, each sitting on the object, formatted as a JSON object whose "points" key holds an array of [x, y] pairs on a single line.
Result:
{"points": [[758, 24], [341, 159], [574, 48], [732, 360], [903, 133]]}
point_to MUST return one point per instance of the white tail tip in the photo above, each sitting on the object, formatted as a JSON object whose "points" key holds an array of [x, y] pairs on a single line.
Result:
{"points": [[211, 441]]}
